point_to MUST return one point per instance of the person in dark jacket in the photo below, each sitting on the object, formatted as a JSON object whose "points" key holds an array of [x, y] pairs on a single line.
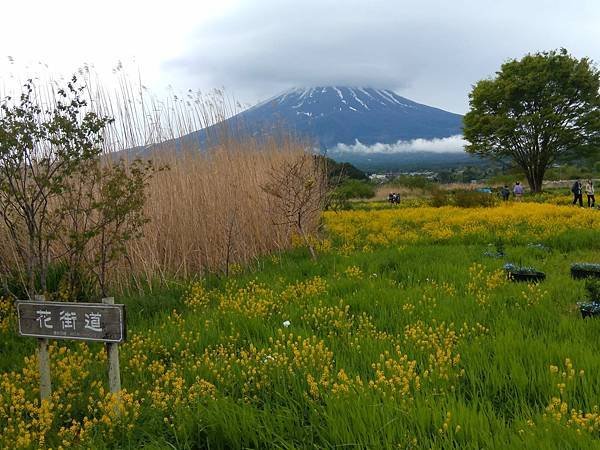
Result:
{"points": [[577, 192]]}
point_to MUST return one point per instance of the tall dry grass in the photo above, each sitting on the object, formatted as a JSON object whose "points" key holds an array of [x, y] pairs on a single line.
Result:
{"points": [[209, 210]]}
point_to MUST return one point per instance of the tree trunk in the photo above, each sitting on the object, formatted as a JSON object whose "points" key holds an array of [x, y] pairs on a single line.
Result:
{"points": [[311, 249], [102, 269], [535, 177], [31, 268]]}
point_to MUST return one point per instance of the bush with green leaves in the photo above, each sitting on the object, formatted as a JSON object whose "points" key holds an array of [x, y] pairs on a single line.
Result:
{"points": [[351, 189], [472, 199], [61, 199], [412, 182]]}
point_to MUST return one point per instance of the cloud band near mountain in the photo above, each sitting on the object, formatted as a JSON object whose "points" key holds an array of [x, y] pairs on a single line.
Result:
{"points": [[452, 144]]}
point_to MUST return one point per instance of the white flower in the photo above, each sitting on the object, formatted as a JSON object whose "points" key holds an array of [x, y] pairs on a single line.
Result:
{"points": [[287, 323]]}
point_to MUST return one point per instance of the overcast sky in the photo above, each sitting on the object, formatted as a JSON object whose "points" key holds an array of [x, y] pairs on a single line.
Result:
{"points": [[429, 51]]}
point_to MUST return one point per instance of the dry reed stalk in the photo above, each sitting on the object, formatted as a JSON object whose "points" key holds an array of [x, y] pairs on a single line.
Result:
{"points": [[208, 211]]}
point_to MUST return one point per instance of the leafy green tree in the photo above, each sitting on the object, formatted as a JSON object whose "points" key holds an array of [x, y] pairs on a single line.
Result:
{"points": [[61, 198], [446, 176], [101, 210], [537, 110], [41, 147], [341, 170]]}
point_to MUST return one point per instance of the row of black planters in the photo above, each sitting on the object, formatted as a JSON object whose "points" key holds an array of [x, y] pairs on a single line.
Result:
{"points": [[526, 274], [580, 271], [529, 277], [584, 271], [590, 309]]}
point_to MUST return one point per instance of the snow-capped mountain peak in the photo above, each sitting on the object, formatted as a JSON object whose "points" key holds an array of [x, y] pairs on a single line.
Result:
{"points": [[332, 115], [339, 98], [338, 118], [344, 114]]}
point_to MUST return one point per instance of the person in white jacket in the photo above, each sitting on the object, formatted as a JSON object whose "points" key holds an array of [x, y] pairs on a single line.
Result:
{"points": [[589, 190]]}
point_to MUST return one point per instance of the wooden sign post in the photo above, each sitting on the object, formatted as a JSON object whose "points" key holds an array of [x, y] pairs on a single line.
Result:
{"points": [[44, 363], [112, 351], [103, 322]]}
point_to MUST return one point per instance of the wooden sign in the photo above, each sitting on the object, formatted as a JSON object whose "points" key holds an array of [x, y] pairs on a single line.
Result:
{"points": [[81, 321]]}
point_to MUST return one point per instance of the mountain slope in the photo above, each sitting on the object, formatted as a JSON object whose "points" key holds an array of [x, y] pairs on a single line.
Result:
{"points": [[332, 115]]}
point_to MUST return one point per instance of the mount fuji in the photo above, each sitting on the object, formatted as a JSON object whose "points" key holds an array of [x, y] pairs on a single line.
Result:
{"points": [[333, 115], [373, 128]]}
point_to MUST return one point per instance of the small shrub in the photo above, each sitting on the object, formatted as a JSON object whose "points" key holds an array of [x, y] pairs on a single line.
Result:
{"points": [[62, 284], [355, 189], [500, 249], [349, 189], [7, 313], [338, 201], [440, 198], [471, 199], [412, 182], [592, 288]]}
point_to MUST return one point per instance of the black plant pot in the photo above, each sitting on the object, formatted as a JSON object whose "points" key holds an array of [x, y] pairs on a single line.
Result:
{"points": [[580, 274], [589, 309], [528, 277]]}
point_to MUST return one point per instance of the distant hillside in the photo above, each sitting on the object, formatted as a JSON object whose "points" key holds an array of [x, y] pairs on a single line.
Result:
{"points": [[336, 170], [331, 115], [334, 115], [338, 115], [405, 161]]}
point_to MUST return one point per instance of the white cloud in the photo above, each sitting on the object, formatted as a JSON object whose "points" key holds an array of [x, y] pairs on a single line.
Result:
{"points": [[60, 36], [452, 144], [430, 51]]}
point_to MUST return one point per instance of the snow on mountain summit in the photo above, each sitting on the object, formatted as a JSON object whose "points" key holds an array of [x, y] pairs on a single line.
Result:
{"points": [[332, 115], [340, 98], [342, 114], [362, 125]]}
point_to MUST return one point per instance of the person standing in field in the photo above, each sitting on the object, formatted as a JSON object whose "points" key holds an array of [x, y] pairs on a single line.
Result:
{"points": [[589, 190], [577, 192], [518, 191], [505, 192]]}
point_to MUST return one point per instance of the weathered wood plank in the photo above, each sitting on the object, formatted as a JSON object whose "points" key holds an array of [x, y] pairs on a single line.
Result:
{"points": [[79, 321]]}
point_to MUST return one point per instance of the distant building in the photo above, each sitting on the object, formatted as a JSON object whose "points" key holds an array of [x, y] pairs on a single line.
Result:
{"points": [[379, 178]]}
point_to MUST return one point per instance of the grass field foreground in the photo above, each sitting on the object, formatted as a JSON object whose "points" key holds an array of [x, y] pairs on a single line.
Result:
{"points": [[404, 334]]}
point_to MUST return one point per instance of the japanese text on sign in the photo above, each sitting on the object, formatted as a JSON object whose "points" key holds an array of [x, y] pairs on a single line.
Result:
{"points": [[84, 321]]}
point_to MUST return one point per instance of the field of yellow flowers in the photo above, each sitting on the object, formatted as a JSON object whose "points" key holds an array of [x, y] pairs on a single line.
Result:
{"points": [[404, 334]]}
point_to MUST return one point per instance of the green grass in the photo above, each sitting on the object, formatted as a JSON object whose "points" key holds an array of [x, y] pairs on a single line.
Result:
{"points": [[501, 381]]}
